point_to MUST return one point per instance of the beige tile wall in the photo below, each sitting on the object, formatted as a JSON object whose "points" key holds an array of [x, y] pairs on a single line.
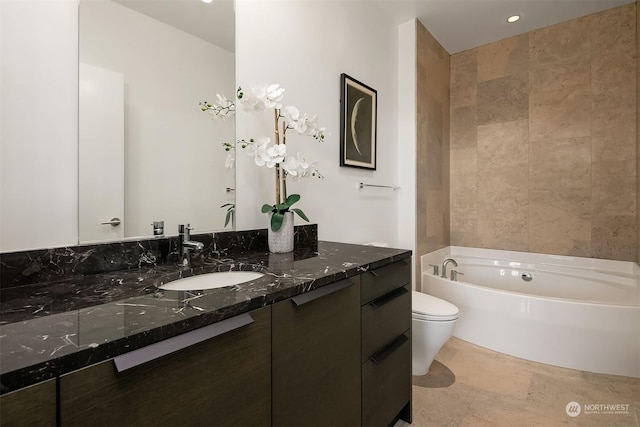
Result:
{"points": [[544, 140], [638, 122], [432, 173]]}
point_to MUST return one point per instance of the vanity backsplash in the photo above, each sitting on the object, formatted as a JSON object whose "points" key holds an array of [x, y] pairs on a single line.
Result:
{"points": [[50, 265]]}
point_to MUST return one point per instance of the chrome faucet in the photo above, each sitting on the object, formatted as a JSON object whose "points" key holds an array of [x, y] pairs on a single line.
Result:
{"points": [[444, 266], [185, 244], [455, 274]]}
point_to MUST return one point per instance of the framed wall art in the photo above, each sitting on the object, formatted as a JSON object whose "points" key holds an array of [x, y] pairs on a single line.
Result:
{"points": [[358, 123]]}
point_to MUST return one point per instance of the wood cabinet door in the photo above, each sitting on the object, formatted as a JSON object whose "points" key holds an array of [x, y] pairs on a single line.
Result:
{"points": [[386, 384], [316, 358], [225, 380], [31, 406]]}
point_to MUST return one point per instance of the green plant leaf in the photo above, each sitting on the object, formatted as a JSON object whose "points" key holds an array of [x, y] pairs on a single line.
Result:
{"points": [[226, 220], [301, 214], [226, 204], [293, 198], [267, 208], [276, 221], [282, 207]]}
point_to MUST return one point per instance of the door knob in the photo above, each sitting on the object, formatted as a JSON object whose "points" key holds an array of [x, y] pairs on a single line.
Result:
{"points": [[113, 222]]}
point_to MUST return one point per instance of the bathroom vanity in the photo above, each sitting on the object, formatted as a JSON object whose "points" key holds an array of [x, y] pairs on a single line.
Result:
{"points": [[323, 338]]}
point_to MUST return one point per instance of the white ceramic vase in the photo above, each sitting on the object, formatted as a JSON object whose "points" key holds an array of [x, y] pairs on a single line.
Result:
{"points": [[281, 241]]}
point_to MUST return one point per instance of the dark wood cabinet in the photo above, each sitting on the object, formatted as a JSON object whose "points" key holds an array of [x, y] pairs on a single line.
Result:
{"points": [[339, 355], [386, 344], [225, 380], [386, 384], [316, 357], [31, 406], [345, 358]]}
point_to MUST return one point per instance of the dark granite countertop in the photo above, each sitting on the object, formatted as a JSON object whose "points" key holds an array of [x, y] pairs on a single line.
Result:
{"points": [[54, 327]]}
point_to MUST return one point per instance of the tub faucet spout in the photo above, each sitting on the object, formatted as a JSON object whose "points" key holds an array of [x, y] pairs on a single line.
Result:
{"points": [[444, 266]]}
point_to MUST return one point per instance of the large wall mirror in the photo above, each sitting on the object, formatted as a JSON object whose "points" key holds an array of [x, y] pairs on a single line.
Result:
{"points": [[147, 153]]}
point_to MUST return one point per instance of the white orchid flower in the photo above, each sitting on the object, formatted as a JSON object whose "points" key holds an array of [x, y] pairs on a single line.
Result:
{"points": [[291, 166], [262, 143], [270, 163], [252, 103], [277, 151], [263, 150], [295, 120], [311, 170], [265, 153], [273, 94], [291, 114], [261, 97], [258, 149], [302, 161], [249, 100], [261, 159], [274, 155], [298, 167], [301, 124], [306, 169], [314, 130]]}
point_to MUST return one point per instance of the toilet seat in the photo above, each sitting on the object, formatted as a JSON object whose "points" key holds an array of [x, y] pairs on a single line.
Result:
{"points": [[428, 307], [430, 318]]}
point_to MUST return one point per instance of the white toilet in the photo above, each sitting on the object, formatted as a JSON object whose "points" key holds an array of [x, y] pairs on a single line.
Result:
{"points": [[432, 325]]}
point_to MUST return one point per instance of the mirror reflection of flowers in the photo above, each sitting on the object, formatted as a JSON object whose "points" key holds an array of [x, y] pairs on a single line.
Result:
{"points": [[223, 109], [273, 154]]}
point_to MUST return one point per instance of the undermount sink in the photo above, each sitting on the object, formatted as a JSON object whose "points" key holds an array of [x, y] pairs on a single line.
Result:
{"points": [[211, 281]]}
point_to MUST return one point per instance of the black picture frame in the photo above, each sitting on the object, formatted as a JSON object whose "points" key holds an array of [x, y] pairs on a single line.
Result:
{"points": [[358, 123]]}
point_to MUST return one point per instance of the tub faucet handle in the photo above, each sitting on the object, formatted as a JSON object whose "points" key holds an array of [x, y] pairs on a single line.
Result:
{"points": [[454, 275], [436, 269]]}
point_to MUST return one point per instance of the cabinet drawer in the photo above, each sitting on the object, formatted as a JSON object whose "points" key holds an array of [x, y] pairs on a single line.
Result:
{"points": [[386, 383], [379, 281], [223, 381], [384, 318], [31, 406]]}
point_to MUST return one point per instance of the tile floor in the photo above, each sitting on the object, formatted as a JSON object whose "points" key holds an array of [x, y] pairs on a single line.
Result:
{"points": [[472, 386]]}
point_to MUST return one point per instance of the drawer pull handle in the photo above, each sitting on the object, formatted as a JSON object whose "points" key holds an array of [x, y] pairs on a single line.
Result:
{"points": [[379, 357], [170, 345], [387, 298], [307, 297]]}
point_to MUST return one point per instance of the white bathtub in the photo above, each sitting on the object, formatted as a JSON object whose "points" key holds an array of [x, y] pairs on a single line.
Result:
{"points": [[577, 313]]}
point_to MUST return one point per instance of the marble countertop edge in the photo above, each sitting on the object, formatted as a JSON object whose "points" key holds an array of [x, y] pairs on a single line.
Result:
{"points": [[76, 352]]}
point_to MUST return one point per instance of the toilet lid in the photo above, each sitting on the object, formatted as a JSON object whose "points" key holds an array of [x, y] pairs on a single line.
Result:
{"points": [[429, 307]]}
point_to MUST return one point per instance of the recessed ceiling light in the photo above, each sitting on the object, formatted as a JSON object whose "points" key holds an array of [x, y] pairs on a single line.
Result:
{"points": [[207, 1], [511, 19]]}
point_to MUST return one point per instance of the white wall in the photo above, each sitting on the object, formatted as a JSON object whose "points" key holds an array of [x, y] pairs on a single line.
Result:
{"points": [[38, 124], [304, 46], [174, 161], [407, 137]]}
